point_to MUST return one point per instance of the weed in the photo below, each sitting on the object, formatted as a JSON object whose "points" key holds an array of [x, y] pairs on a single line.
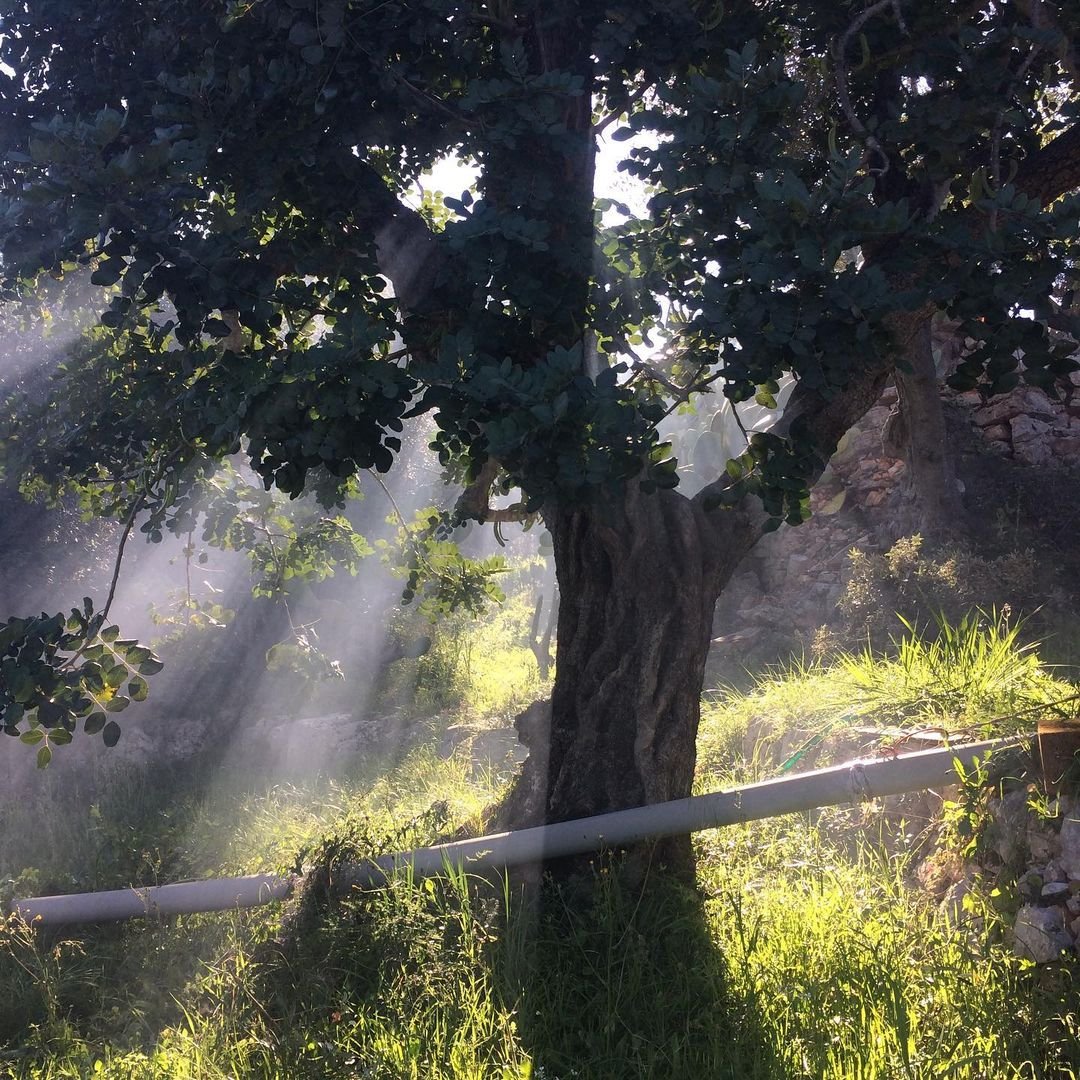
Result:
{"points": [[804, 951]]}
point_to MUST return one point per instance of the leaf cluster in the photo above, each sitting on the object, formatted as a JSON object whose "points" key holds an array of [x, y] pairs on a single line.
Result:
{"points": [[56, 671]]}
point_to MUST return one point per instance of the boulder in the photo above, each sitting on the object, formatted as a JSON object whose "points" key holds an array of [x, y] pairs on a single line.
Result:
{"points": [[1069, 845], [1039, 934]]}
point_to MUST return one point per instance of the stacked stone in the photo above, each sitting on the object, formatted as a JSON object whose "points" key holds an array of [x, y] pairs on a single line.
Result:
{"points": [[1030, 426], [1040, 845]]}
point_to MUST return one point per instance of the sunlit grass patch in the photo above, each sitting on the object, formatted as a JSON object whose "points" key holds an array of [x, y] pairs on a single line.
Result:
{"points": [[804, 952], [977, 672], [977, 678], [853, 975], [484, 670]]}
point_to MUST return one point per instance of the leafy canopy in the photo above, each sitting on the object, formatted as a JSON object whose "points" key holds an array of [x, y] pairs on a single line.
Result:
{"points": [[240, 177]]}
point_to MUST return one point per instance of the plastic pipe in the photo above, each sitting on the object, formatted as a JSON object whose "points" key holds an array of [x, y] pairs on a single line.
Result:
{"points": [[855, 781], [183, 898]]}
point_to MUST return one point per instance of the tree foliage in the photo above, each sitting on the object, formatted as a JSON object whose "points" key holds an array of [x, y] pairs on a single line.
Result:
{"points": [[240, 179]]}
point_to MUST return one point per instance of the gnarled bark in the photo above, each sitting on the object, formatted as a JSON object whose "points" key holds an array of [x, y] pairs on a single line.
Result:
{"points": [[638, 582], [935, 500]]}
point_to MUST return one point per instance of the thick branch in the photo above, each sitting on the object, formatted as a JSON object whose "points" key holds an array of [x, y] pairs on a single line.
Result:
{"points": [[1042, 17], [824, 420], [474, 503], [406, 250], [1054, 170]]}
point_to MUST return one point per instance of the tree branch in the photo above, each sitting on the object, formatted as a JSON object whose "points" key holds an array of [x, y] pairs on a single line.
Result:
{"points": [[129, 523], [474, 503], [410, 256], [1042, 17], [632, 99], [1052, 171], [843, 96]]}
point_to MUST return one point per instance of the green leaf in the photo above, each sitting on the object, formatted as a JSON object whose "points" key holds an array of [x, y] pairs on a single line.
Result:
{"points": [[94, 723], [151, 666], [44, 756], [111, 735], [117, 704], [109, 272], [32, 737]]}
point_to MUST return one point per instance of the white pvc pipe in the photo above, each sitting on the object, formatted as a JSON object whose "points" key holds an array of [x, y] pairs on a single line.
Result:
{"points": [[856, 781], [183, 898]]}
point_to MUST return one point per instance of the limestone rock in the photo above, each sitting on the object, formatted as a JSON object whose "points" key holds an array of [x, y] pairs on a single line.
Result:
{"points": [[1069, 841], [1029, 440], [951, 910], [1041, 842], [1007, 831], [1053, 891], [1039, 934]]}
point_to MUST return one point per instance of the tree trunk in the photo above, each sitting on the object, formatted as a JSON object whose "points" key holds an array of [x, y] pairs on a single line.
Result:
{"points": [[638, 584], [936, 507], [639, 576]]}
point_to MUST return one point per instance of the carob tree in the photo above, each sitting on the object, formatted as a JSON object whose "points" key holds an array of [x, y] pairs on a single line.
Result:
{"points": [[245, 179]]}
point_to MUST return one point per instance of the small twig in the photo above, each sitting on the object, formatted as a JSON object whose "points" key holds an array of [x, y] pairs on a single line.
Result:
{"points": [[129, 522], [189, 549], [136, 506], [393, 502], [842, 93], [646, 369], [410, 541], [697, 386], [416, 91]]}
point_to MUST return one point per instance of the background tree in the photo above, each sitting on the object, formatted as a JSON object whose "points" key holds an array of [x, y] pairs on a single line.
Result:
{"points": [[823, 179]]}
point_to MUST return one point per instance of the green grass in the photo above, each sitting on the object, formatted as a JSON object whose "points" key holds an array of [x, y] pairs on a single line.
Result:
{"points": [[483, 669], [805, 951], [977, 678], [851, 973]]}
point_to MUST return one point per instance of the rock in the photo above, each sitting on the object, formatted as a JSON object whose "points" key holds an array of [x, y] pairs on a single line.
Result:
{"points": [[1069, 841], [1007, 830], [875, 497], [1031, 885], [1029, 440], [485, 746], [1065, 448], [797, 564], [1053, 871], [1055, 891], [1002, 409], [951, 910], [1041, 842], [1039, 934], [312, 743], [997, 432], [1036, 402]]}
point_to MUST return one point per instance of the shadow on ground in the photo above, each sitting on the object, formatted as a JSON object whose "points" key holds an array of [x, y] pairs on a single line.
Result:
{"points": [[620, 981]]}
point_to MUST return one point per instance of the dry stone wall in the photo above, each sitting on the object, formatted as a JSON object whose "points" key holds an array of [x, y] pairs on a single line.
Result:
{"points": [[790, 584]]}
